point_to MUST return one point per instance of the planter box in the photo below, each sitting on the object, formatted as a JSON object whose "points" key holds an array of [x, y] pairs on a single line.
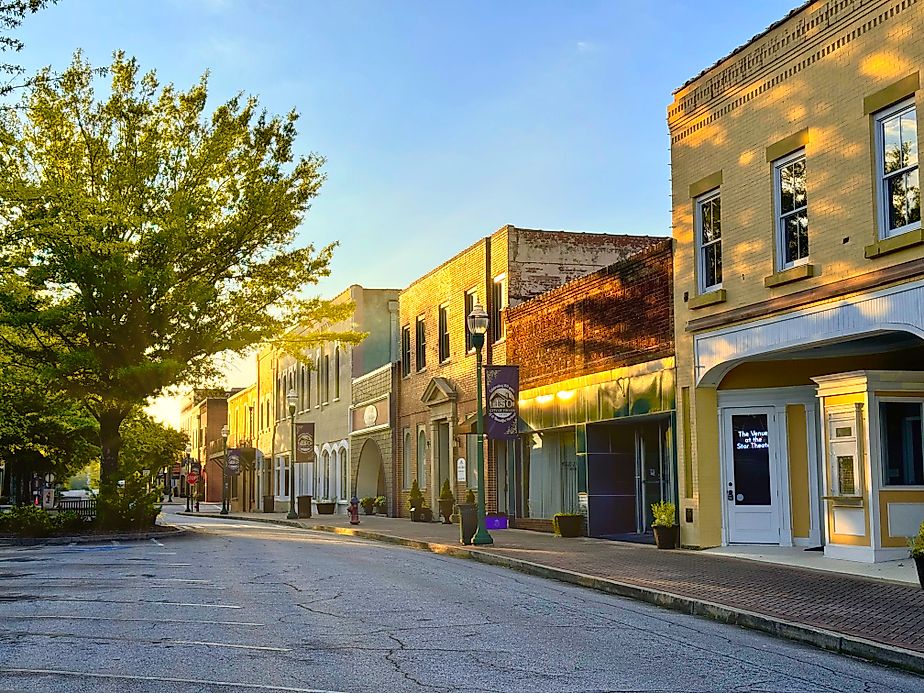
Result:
{"points": [[667, 537], [568, 525], [326, 508]]}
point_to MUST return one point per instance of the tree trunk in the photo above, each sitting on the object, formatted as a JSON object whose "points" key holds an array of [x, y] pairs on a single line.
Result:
{"points": [[110, 440]]}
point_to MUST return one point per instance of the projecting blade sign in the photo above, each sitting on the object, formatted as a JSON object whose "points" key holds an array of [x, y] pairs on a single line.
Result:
{"points": [[502, 385], [304, 442]]}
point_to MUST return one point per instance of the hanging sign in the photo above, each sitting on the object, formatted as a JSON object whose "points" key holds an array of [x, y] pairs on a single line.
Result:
{"points": [[234, 461], [304, 442], [502, 386]]}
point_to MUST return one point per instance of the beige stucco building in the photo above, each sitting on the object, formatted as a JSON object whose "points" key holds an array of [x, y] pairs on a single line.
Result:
{"points": [[799, 284]]}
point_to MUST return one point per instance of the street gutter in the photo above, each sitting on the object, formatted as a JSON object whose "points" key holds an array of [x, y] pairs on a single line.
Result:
{"points": [[825, 639]]}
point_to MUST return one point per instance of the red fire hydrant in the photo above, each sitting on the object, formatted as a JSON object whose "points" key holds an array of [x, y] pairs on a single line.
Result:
{"points": [[354, 511]]}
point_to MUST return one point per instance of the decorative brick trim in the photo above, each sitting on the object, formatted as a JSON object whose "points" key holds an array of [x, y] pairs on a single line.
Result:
{"points": [[892, 93], [787, 145], [710, 299], [705, 184], [793, 274], [740, 71]]}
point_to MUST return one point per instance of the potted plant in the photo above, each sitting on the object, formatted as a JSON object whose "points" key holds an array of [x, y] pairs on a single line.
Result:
{"points": [[326, 506], [568, 524], [415, 501], [447, 501], [666, 531], [368, 503], [916, 544], [470, 497], [381, 505]]}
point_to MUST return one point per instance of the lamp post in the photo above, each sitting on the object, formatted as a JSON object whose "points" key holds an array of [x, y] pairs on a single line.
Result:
{"points": [[478, 325], [292, 401], [188, 469], [224, 471]]}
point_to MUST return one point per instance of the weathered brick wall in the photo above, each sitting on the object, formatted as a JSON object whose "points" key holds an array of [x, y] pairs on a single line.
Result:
{"points": [[617, 316]]}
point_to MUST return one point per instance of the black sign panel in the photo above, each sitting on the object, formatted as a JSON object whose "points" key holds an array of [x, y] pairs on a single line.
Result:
{"points": [[751, 455]]}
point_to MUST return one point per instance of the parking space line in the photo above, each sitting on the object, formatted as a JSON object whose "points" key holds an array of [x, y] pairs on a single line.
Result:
{"points": [[166, 679], [72, 617]]}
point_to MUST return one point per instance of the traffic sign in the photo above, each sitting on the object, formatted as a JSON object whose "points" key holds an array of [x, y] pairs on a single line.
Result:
{"points": [[192, 478]]}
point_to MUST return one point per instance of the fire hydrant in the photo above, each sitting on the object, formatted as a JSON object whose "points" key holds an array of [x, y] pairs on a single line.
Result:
{"points": [[354, 510]]}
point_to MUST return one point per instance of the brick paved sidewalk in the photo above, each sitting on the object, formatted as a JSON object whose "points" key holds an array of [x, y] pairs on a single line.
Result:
{"points": [[883, 612]]}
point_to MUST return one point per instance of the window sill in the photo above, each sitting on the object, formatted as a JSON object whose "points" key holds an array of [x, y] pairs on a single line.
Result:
{"points": [[502, 340], [421, 370], [787, 276], [708, 299], [908, 239], [845, 501]]}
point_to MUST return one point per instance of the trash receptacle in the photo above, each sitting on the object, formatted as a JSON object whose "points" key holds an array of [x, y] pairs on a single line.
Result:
{"points": [[303, 503], [468, 521], [268, 503]]}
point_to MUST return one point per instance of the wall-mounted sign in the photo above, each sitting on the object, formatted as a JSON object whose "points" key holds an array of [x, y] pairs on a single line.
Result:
{"points": [[502, 386], [460, 469], [370, 415], [304, 442]]}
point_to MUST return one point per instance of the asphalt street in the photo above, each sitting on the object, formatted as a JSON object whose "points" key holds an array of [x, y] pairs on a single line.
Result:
{"points": [[237, 606]]}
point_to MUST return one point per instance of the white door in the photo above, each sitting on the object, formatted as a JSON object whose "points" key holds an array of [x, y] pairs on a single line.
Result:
{"points": [[751, 452]]}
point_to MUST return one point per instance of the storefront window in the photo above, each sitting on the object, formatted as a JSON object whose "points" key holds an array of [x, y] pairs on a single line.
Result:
{"points": [[548, 475], [903, 461]]}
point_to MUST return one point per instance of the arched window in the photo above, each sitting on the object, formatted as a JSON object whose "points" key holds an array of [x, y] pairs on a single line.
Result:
{"points": [[408, 460], [322, 474], [421, 459], [344, 475]]}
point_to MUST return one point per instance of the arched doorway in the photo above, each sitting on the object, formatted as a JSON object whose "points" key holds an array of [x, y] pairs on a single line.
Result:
{"points": [[370, 475]]}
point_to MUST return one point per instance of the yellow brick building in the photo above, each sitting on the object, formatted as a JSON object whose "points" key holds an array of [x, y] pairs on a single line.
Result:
{"points": [[799, 284]]}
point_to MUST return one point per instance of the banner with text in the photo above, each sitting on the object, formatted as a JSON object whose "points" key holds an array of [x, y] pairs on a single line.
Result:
{"points": [[502, 386], [304, 442]]}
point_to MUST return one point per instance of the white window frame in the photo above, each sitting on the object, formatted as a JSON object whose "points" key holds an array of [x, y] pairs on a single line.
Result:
{"points": [[499, 326], [778, 167], [698, 229], [882, 456], [882, 187]]}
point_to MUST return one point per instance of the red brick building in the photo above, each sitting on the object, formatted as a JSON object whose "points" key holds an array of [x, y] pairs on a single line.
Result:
{"points": [[437, 364], [597, 397]]}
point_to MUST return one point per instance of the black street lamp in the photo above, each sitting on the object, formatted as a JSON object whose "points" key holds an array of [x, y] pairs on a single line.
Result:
{"points": [[477, 326], [188, 461], [292, 401], [224, 472]]}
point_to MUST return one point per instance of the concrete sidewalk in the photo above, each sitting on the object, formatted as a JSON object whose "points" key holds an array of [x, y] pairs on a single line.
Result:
{"points": [[869, 618]]}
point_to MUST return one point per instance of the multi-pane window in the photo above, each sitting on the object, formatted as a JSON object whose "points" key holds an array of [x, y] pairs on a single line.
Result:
{"points": [[897, 162], [471, 298], [326, 381], [421, 459], [444, 333], [406, 350], [421, 343], [336, 372], [498, 329], [902, 443], [344, 475], [708, 221], [408, 459], [791, 210]]}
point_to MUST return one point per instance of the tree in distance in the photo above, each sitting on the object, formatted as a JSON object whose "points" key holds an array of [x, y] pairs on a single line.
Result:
{"points": [[140, 236]]}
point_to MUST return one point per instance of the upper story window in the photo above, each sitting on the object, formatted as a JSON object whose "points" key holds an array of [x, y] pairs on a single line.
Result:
{"points": [[326, 381], [406, 350], [444, 333], [471, 298], [337, 372], [708, 223], [498, 303], [791, 210], [421, 343], [897, 167]]}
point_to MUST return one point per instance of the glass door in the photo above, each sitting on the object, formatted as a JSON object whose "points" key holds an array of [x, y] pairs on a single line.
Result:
{"points": [[750, 476]]}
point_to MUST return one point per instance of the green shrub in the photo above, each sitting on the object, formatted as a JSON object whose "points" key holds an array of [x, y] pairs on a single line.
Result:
{"points": [[446, 492], [381, 503], [132, 507], [27, 521], [368, 502], [415, 497], [470, 497], [68, 522], [664, 514], [916, 543]]}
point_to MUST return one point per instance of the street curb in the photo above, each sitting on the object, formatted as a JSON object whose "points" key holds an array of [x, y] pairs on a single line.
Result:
{"points": [[169, 533], [818, 637]]}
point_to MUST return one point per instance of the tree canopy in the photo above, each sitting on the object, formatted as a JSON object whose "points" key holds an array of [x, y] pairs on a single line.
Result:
{"points": [[140, 235]]}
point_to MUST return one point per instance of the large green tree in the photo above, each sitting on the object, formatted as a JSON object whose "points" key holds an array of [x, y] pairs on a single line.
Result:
{"points": [[141, 234]]}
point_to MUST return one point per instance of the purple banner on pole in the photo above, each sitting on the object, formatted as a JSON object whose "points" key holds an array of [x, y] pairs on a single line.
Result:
{"points": [[502, 387], [234, 461], [304, 442]]}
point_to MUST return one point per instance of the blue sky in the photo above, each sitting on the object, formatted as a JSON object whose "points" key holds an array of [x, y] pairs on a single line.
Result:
{"points": [[440, 121]]}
